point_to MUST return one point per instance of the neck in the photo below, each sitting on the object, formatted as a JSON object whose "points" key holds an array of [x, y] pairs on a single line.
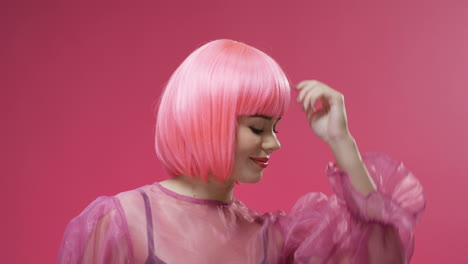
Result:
{"points": [[193, 187]]}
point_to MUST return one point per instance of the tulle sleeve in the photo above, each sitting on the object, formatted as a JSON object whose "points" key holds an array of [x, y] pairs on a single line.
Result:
{"points": [[98, 235], [349, 227]]}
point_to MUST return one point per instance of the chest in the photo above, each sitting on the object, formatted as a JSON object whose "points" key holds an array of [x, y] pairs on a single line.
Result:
{"points": [[206, 237]]}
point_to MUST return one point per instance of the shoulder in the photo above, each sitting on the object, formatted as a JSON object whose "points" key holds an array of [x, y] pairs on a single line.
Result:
{"points": [[101, 227], [110, 207], [133, 201]]}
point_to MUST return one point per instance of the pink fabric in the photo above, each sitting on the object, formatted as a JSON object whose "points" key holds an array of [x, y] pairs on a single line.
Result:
{"points": [[343, 228]]}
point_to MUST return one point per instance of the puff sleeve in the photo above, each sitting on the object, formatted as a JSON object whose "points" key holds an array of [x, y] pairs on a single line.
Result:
{"points": [[98, 235], [349, 227]]}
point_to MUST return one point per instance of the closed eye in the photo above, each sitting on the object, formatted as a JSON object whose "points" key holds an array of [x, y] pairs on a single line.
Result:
{"points": [[256, 131], [260, 131]]}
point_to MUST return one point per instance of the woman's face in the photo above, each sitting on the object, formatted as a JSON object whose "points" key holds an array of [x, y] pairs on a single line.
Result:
{"points": [[256, 140]]}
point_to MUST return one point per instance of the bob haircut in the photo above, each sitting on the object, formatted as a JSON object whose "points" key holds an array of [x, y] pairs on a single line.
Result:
{"points": [[196, 123]]}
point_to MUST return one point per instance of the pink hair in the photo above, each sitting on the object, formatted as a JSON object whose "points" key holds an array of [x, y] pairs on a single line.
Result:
{"points": [[197, 117]]}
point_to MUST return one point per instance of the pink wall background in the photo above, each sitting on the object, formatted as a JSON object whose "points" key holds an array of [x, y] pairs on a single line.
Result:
{"points": [[79, 82]]}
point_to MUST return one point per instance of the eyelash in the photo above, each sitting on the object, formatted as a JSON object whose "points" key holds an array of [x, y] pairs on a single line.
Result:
{"points": [[259, 131]]}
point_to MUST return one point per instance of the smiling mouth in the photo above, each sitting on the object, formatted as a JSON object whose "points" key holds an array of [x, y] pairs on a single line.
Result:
{"points": [[261, 162]]}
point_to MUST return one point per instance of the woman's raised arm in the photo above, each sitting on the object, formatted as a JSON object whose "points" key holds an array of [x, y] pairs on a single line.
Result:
{"points": [[330, 124]]}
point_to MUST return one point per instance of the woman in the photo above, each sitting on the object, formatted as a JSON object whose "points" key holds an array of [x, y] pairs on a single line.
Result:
{"points": [[215, 127]]}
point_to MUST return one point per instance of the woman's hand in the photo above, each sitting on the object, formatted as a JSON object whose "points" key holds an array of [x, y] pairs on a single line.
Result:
{"points": [[329, 122]]}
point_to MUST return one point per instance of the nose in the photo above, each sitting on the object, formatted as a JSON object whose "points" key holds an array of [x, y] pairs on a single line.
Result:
{"points": [[271, 143]]}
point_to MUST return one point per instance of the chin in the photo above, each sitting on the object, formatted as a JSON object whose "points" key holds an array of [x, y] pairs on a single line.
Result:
{"points": [[253, 179]]}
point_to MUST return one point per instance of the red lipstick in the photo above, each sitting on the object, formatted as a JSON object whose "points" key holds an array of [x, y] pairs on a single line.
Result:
{"points": [[261, 162]]}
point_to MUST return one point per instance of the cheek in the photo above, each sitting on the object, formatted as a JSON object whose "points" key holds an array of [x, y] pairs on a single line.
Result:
{"points": [[247, 142]]}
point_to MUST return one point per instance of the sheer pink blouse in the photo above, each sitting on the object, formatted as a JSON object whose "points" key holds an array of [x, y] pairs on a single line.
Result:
{"points": [[155, 225]]}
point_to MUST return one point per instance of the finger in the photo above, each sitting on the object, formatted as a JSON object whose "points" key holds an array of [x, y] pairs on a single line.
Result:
{"points": [[310, 114], [306, 88], [303, 92], [315, 95], [325, 91], [309, 97], [326, 104], [327, 96], [301, 84], [305, 83]]}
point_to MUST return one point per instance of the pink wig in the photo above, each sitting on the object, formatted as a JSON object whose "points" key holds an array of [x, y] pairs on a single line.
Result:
{"points": [[197, 117]]}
